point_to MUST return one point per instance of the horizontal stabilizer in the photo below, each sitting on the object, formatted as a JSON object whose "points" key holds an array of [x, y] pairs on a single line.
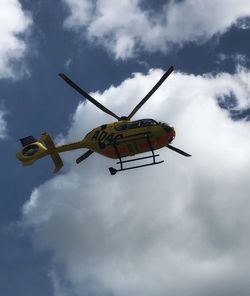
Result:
{"points": [[45, 137], [57, 161], [178, 150]]}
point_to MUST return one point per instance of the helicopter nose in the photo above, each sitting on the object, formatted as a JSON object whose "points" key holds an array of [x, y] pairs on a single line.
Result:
{"points": [[169, 130], [172, 134]]}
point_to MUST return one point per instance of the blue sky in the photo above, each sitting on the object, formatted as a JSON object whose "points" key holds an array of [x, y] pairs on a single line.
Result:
{"points": [[180, 227]]}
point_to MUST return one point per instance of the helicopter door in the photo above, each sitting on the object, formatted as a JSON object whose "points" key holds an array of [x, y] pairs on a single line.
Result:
{"points": [[135, 129]]}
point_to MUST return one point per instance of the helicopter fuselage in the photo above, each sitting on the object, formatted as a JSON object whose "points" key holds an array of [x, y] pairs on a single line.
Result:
{"points": [[128, 138]]}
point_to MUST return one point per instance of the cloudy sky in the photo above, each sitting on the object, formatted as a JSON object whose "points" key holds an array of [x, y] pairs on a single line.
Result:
{"points": [[179, 228]]}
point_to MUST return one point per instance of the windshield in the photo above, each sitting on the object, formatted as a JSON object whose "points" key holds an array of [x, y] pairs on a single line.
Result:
{"points": [[135, 124]]}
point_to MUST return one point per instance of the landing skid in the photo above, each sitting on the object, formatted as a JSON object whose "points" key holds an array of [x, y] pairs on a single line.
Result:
{"points": [[113, 171]]}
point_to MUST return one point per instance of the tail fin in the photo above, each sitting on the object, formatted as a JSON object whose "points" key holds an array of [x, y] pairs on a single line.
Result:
{"points": [[46, 138], [28, 140]]}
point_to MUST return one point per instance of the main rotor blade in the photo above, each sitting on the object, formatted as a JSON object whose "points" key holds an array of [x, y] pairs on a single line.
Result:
{"points": [[158, 84], [87, 96], [84, 156], [178, 150]]}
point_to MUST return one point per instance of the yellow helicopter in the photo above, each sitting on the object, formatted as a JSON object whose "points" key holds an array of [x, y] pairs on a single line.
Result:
{"points": [[115, 140]]}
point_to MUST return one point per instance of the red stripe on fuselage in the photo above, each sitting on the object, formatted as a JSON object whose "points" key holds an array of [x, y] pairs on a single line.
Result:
{"points": [[110, 152], [159, 141], [156, 143]]}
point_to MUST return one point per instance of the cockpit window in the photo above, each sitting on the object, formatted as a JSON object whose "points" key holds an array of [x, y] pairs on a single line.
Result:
{"points": [[129, 125], [134, 124], [148, 122], [121, 127]]}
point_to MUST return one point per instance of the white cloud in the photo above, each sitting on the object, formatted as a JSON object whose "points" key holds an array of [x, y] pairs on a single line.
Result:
{"points": [[3, 123], [179, 228], [237, 59], [244, 24], [14, 24], [123, 27]]}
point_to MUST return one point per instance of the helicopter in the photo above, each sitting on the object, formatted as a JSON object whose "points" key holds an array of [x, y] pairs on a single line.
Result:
{"points": [[117, 140]]}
